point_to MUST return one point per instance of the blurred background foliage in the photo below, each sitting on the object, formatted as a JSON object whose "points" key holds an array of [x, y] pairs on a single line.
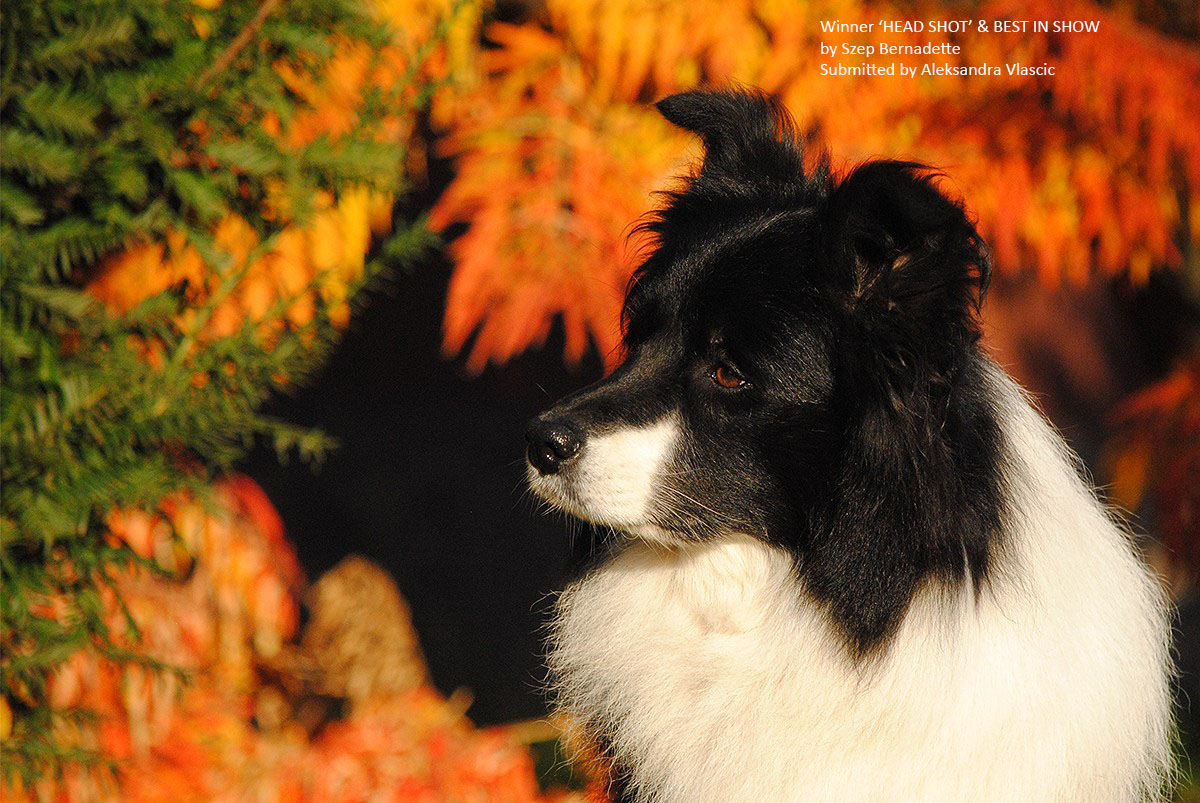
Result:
{"points": [[1097, 170], [194, 191], [189, 191]]}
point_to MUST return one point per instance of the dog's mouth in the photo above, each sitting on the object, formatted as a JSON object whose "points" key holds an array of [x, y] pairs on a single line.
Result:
{"points": [[559, 491]]}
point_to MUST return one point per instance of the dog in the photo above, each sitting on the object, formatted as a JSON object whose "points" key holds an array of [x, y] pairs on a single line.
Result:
{"points": [[851, 560]]}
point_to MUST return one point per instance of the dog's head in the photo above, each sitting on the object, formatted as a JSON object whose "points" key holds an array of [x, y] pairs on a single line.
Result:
{"points": [[801, 366]]}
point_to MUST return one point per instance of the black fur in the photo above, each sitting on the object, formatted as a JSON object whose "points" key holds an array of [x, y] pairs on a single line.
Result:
{"points": [[862, 441]]}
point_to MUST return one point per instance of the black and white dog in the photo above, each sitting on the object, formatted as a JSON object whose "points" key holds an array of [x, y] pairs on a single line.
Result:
{"points": [[853, 563]]}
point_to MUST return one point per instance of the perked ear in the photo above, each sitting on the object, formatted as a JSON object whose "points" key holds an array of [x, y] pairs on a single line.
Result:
{"points": [[747, 135], [911, 265]]}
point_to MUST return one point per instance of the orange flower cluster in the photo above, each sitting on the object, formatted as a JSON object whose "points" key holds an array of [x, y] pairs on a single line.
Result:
{"points": [[232, 607], [1094, 168]]}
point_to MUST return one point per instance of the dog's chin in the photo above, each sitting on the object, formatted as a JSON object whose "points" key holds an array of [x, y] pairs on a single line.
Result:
{"points": [[560, 492]]}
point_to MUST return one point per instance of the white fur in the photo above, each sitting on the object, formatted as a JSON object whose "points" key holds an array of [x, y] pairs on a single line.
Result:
{"points": [[716, 678], [613, 478]]}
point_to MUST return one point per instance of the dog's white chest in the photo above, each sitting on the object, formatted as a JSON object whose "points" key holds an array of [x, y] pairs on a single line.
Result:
{"points": [[690, 661], [714, 677]]}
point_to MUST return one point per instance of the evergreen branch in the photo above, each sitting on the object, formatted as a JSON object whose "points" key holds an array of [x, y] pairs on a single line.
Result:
{"points": [[248, 157], [87, 42], [239, 42], [229, 281], [52, 251], [67, 301], [61, 110], [39, 159], [19, 206], [407, 245]]}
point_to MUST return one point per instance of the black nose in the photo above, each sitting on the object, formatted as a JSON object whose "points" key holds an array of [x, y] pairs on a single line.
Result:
{"points": [[552, 443]]}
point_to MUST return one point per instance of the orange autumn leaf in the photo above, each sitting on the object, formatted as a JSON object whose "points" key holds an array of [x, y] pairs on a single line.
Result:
{"points": [[223, 621], [558, 150], [1156, 452]]}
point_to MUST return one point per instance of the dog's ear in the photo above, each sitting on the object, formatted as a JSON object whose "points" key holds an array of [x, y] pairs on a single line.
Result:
{"points": [[910, 267], [747, 135], [915, 491]]}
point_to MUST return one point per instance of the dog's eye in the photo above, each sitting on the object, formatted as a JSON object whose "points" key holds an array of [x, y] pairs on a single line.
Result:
{"points": [[728, 377]]}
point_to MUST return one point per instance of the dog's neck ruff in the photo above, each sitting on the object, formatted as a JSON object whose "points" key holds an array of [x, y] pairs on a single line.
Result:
{"points": [[712, 675]]}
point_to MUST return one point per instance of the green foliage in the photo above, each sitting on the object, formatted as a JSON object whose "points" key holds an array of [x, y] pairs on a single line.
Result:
{"points": [[103, 103]]}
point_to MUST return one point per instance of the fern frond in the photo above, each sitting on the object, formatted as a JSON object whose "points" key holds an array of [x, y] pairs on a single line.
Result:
{"points": [[58, 109], [200, 194], [40, 160], [19, 206], [55, 249], [89, 42]]}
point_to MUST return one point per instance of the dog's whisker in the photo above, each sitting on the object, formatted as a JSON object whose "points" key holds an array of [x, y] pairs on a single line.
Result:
{"points": [[721, 516]]}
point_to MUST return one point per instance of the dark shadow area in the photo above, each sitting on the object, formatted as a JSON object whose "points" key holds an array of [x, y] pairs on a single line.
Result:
{"points": [[429, 482]]}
